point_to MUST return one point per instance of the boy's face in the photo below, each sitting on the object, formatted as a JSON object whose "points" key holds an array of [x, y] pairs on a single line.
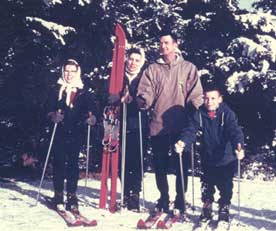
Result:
{"points": [[212, 100]]}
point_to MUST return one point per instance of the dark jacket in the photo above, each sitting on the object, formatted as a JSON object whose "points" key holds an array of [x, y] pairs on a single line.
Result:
{"points": [[132, 108], [218, 137], [74, 118]]}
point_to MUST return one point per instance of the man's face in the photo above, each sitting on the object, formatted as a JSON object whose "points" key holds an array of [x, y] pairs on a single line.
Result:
{"points": [[167, 45], [212, 99], [70, 72], [134, 62]]}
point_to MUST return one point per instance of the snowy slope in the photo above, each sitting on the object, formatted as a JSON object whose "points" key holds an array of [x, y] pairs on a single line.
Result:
{"points": [[258, 206]]}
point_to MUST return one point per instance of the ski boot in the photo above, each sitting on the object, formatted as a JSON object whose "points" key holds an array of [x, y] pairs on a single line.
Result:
{"points": [[206, 213], [72, 202], [133, 202], [57, 200], [223, 213]]}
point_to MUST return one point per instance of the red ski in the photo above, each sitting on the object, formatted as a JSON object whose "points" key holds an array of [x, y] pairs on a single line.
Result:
{"points": [[69, 218], [111, 122], [150, 221], [84, 220]]}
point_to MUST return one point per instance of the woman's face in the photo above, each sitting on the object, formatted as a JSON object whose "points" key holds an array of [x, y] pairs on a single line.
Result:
{"points": [[70, 72], [134, 62]]}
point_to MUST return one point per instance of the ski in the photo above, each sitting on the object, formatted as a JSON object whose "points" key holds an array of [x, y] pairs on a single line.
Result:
{"points": [[85, 221], [170, 220], [70, 219], [150, 221], [110, 158]]}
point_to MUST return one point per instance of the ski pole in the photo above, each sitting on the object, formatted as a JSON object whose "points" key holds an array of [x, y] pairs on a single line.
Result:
{"points": [[182, 179], [193, 174], [87, 156], [239, 189], [142, 156], [46, 162], [123, 154]]}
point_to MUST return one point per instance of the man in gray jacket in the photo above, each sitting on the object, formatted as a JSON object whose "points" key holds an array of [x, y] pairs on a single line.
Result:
{"points": [[166, 88]]}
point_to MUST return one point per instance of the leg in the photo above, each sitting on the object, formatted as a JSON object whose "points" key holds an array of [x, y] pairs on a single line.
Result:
{"points": [[58, 165], [225, 186], [160, 148]]}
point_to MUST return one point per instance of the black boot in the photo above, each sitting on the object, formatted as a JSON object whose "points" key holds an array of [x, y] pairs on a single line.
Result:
{"points": [[72, 202], [206, 213], [133, 202], [162, 205], [223, 213], [57, 199]]}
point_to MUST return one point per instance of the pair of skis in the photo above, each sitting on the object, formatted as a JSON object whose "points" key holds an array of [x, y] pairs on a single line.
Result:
{"points": [[71, 218], [111, 124]]}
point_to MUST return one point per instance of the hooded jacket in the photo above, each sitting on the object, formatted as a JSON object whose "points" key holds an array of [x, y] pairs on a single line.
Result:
{"points": [[166, 89], [218, 137]]}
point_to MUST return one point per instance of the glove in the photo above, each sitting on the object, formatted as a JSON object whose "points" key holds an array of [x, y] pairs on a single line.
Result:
{"points": [[113, 99], [56, 117], [141, 103], [127, 98], [91, 120], [179, 147], [239, 152]]}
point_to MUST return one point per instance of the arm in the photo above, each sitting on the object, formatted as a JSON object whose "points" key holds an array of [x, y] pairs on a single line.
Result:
{"points": [[194, 88], [145, 91]]}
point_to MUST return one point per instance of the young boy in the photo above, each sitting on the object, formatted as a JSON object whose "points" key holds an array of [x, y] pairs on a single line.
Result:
{"points": [[221, 145]]}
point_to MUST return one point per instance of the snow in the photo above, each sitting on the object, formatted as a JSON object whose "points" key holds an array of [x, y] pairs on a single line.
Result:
{"points": [[17, 210], [56, 29]]}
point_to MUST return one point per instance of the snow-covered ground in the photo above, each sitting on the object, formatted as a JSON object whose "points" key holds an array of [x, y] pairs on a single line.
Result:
{"points": [[258, 206]]}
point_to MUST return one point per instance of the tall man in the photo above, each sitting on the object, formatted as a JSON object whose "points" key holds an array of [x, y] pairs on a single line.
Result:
{"points": [[166, 87]]}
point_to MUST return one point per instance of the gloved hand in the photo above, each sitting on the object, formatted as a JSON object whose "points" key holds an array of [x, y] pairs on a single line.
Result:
{"points": [[141, 103], [91, 120], [239, 152], [179, 147], [126, 98], [56, 117]]}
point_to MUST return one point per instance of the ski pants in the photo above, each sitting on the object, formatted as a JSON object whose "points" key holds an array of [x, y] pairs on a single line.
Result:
{"points": [[133, 175], [160, 147], [65, 164], [220, 177]]}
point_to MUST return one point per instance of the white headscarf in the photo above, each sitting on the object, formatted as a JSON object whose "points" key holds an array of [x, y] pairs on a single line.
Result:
{"points": [[71, 87]]}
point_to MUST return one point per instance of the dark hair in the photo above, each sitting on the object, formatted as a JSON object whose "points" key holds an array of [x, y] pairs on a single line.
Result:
{"points": [[213, 87], [133, 50], [168, 31], [71, 62]]}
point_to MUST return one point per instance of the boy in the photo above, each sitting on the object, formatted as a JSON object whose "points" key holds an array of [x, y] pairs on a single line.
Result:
{"points": [[220, 134]]}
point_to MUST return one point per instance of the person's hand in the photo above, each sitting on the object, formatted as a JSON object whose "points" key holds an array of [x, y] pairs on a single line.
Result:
{"points": [[91, 120], [57, 116], [179, 147], [239, 152], [141, 103], [126, 98]]}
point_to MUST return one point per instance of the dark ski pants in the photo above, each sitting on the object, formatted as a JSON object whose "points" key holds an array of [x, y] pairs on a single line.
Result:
{"points": [[220, 177], [160, 147], [133, 174], [65, 165]]}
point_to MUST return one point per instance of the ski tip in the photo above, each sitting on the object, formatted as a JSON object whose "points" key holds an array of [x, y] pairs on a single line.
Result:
{"points": [[76, 223], [161, 225], [91, 223], [141, 224]]}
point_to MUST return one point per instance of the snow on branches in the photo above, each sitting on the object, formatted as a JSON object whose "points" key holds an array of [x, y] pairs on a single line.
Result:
{"points": [[57, 30]]}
